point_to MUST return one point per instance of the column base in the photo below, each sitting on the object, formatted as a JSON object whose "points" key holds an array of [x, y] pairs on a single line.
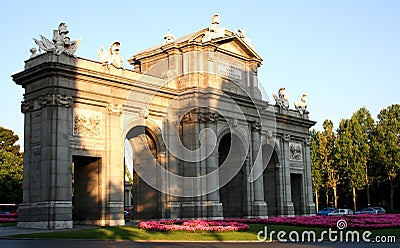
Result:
{"points": [[116, 222], [260, 209], [45, 215], [201, 209], [310, 209], [288, 209], [214, 210], [174, 210], [46, 224]]}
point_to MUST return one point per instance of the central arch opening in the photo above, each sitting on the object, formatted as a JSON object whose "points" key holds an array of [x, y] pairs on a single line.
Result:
{"points": [[146, 200]]}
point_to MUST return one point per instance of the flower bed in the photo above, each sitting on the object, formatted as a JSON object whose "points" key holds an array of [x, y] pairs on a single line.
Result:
{"points": [[194, 225], [8, 219], [362, 221]]}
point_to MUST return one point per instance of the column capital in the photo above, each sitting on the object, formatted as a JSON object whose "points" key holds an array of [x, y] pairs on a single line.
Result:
{"points": [[26, 106], [115, 109], [307, 141], [256, 126], [286, 137], [208, 117], [48, 100]]}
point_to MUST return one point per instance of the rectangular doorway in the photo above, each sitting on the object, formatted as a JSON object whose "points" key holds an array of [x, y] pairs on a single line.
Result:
{"points": [[86, 199], [296, 186]]}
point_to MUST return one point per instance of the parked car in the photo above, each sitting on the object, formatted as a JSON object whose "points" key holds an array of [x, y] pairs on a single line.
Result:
{"points": [[367, 211], [380, 210], [326, 211], [341, 211], [372, 210]]}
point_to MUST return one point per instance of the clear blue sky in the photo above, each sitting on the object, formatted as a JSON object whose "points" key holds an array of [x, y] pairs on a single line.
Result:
{"points": [[344, 54]]}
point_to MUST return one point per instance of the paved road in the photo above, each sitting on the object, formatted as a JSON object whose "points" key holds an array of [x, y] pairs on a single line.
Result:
{"points": [[9, 243]]}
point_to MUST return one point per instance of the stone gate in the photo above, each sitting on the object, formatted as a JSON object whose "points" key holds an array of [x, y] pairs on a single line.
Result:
{"points": [[187, 125]]}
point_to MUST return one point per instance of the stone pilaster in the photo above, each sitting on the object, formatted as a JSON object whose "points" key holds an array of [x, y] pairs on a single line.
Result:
{"points": [[173, 204], [308, 195], [214, 206], [288, 208], [47, 202], [259, 204], [115, 166]]}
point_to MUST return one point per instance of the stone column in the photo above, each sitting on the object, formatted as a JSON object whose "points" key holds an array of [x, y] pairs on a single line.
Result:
{"points": [[308, 196], [115, 167], [288, 208], [214, 205], [173, 203], [259, 204]]}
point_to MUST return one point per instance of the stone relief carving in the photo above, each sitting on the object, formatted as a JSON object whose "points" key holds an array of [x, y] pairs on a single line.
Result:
{"points": [[208, 117], [115, 109], [26, 106], [55, 100], [302, 105], [269, 134], [87, 123], [281, 100], [112, 56], [295, 151], [60, 43], [286, 137], [214, 31], [256, 126]]}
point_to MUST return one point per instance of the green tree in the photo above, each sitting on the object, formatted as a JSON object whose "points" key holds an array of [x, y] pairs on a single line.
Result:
{"points": [[367, 125], [386, 147], [326, 141], [8, 141], [318, 174], [351, 155], [11, 167], [11, 176]]}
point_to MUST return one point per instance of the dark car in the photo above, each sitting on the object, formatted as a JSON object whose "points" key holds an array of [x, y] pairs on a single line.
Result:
{"points": [[326, 211], [379, 210], [367, 211]]}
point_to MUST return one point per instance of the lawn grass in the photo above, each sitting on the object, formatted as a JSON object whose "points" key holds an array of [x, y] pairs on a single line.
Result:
{"points": [[133, 233], [8, 224]]}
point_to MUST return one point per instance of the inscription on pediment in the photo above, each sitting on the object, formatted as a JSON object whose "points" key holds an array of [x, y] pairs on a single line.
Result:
{"points": [[229, 70]]}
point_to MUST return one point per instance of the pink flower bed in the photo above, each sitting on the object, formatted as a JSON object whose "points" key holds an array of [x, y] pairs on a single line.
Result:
{"points": [[194, 225], [8, 219], [362, 221]]}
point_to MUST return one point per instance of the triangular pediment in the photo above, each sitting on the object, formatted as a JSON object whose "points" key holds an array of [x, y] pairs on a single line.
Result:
{"points": [[238, 46]]}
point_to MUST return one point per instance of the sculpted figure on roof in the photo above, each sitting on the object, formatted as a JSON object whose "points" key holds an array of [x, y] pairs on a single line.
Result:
{"points": [[61, 43], [214, 31], [111, 57]]}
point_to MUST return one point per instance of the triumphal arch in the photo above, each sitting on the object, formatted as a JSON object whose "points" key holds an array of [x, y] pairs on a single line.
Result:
{"points": [[184, 131]]}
